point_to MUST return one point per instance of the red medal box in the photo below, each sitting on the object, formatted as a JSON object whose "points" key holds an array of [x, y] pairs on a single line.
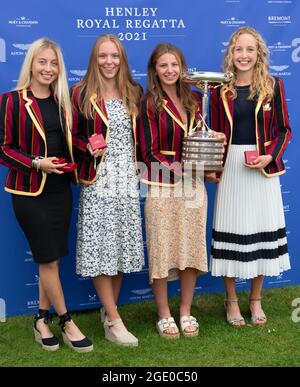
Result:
{"points": [[250, 156], [67, 168], [97, 141]]}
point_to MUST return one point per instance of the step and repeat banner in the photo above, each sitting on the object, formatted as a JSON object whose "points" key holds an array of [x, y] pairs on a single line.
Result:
{"points": [[201, 29]]}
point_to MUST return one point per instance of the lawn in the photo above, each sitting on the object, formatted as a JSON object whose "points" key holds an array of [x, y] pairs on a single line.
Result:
{"points": [[218, 344]]}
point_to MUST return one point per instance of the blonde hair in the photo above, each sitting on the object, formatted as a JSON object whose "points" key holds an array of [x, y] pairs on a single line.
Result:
{"points": [[130, 92], [262, 82], [59, 87], [154, 86]]}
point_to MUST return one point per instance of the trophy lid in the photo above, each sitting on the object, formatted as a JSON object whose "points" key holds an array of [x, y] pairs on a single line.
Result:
{"points": [[208, 76]]}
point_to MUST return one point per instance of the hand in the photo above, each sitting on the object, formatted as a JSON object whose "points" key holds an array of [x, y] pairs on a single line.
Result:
{"points": [[96, 152], [211, 177], [46, 165], [220, 136], [261, 162]]}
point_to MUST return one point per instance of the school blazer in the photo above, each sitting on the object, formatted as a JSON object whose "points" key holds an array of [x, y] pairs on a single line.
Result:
{"points": [[160, 135], [272, 126], [22, 138], [83, 128]]}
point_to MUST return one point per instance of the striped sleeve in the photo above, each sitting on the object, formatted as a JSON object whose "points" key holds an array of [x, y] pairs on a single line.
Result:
{"points": [[282, 129], [10, 154]]}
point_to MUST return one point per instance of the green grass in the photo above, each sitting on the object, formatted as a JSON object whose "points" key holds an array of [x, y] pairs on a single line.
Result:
{"points": [[218, 344]]}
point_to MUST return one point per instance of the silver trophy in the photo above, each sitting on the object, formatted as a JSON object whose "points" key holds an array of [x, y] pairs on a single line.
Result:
{"points": [[200, 147]]}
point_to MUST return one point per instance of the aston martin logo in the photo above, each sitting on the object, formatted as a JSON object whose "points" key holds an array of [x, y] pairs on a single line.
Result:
{"points": [[80, 73], [279, 68], [22, 46]]}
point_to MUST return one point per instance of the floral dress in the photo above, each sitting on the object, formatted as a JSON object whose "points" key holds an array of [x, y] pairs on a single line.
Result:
{"points": [[109, 221]]}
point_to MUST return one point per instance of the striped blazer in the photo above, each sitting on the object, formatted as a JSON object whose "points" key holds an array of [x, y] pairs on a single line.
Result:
{"points": [[272, 126], [160, 135], [22, 138], [83, 128]]}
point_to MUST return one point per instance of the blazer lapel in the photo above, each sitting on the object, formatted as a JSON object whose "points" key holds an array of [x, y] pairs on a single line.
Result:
{"points": [[170, 109], [228, 106], [99, 109], [34, 113]]}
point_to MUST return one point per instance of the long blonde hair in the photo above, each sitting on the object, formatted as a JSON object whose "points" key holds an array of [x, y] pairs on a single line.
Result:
{"points": [[154, 86], [59, 87], [130, 92], [262, 82]]}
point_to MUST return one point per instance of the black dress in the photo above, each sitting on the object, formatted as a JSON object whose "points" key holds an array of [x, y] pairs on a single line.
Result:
{"points": [[45, 219]]}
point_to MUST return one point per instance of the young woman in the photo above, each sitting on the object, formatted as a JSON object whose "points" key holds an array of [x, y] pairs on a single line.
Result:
{"points": [[249, 237], [175, 226], [35, 122], [109, 239]]}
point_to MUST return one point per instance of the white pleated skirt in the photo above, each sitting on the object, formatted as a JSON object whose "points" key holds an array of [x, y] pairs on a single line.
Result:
{"points": [[249, 236]]}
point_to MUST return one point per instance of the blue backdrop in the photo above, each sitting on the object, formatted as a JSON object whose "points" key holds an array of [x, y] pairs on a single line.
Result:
{"points": [[201, 29]]}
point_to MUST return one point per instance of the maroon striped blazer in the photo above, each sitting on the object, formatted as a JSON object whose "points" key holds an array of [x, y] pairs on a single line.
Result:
{"points": [[160, 135], [83, 128], [273, 131], [22, 138]]}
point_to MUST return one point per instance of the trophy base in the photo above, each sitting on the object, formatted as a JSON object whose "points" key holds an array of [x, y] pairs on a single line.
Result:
{"points": [[202, 165]]}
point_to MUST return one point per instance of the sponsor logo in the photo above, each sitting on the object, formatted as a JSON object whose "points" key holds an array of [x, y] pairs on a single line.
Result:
{"points": [[233, 22], [280, 21], [35, 282], [92, 300], [280, 70], [138, 74], [280, 1], [32, 304], [2, 50], [23, 21], [141, 292], [279, 46], [29, 257], [224, 47], [77, 75], [21, 49]]}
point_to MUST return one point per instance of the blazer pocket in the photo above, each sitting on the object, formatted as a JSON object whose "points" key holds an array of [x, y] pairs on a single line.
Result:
{"points": [[168, 153]]}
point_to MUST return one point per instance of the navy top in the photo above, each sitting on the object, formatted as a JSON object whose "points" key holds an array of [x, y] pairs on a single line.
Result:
{"points": [[244, 118], [55, 142]]}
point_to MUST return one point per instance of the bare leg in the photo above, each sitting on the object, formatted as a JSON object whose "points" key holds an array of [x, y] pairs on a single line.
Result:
{"points": [[188, 279], [116, 284], [255, 300], [44, 303], [160, 291], [108, 289], [231, 303], [51, 286]]}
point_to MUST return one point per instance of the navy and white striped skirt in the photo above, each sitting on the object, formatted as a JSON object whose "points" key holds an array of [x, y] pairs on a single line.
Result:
{"points": [[249, 236]]}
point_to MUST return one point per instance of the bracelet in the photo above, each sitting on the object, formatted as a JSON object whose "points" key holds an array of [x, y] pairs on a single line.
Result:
{"points": [[36, 162]]}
